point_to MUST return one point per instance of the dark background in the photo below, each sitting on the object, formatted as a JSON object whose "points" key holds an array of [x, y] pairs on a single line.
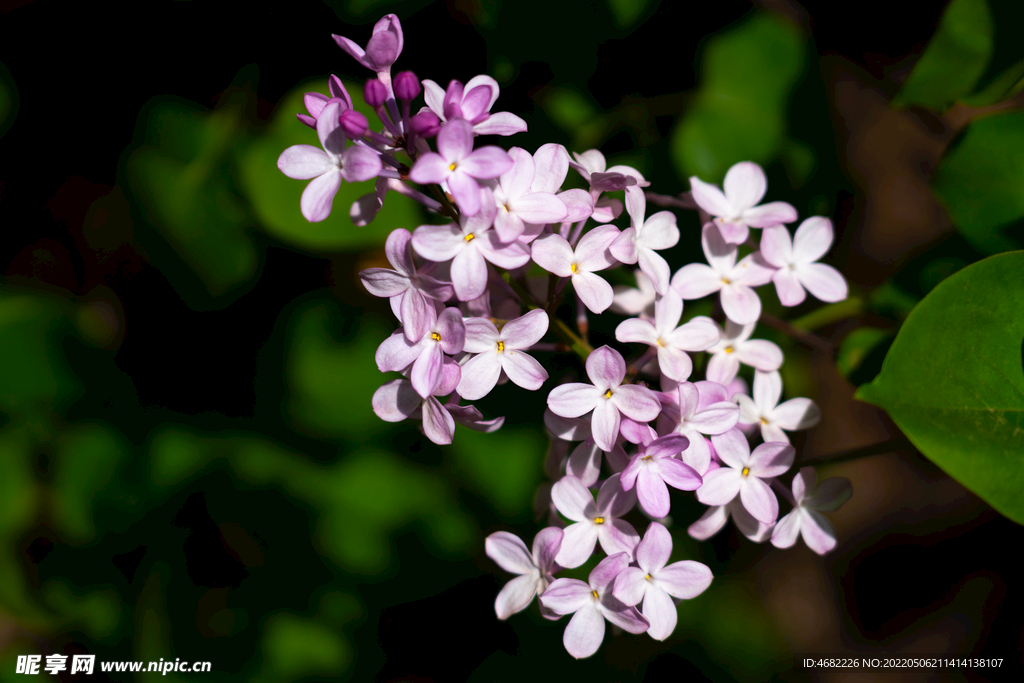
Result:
{"points": [[227, 560]]}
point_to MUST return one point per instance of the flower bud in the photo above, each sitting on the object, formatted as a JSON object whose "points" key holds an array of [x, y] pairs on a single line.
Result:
{"points": [[353, 123], [376, 93], [407, 86], [425, 124]]}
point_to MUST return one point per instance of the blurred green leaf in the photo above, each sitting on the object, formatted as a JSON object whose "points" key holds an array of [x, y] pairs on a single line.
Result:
{"points": [[97, 612], [182, 176], [954, 59], [34, 373], [20, 500], [891, 301], [980, 181], [88, 457], [954, 381], [571, 111], [739, 111], [1006, 85], [626, 12], [861, 353], [503, 468], [294, 647], [275, 197]]}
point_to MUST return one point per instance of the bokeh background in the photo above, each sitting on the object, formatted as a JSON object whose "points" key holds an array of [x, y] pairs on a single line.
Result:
{"points": [[189, 465]]}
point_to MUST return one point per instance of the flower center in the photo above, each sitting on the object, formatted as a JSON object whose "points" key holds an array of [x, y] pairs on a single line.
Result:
{"points": [[469, 237], [435, 336], [726, 281], [598, 520], [596, 596], [453, 166], [764, 421], [648, 577], [660, 343], [746, 471], [647, 457], [608, 394], [501, 346], [729, 349], [574, 268]]}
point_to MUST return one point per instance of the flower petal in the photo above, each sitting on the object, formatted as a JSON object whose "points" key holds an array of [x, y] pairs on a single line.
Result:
{"points": [[438, 242], [469, 274], [612, 501], [695, 280], [318, 196], [516, 595], [710, 523], [685, 579], [821, 280], [817, 531], [710, 198], [553, 254], [720, 486], [545, 546], [812, 239], [303, 162], [732, 449], [574, 399], [771, 459], [592, 251], [509, 552], [636, 402], [565, 596], [605, 424], [787, 530], [630, 584], [788, 287], [479, 375], [577, 543], [796, 413], [769, 214], [523, 370], [486, 162], [767, 390], [679, 475], [654, 550], [653, 493], [759, 500], [585, 631], [660, 611], [745, 185], [776, 246], [573, 500]]}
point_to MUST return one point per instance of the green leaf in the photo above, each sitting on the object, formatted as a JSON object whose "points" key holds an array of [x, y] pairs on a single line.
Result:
{"points": [[954, 381], [981, 181], [182, 178], [275, 197], [861, 353], [504, 470], [739, 111], [1003, 87], [954, 60]]}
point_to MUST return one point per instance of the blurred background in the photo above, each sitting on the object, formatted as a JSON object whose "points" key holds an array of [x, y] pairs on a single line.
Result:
{"points": [[189, 464]]}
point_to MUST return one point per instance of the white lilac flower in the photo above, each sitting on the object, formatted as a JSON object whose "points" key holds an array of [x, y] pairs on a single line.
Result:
{"points": [[744, 474], [594, 521], [806, 519], [764, 409], [795, 260], [535, 568], [503, 351], [671, 339], [735, 347], [736, 209]]}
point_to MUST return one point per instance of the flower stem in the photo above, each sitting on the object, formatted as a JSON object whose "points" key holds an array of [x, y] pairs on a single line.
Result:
{"points": [[893, 445]]}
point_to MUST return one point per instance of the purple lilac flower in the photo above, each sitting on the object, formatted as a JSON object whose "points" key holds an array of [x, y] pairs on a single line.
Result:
{"points": [[607, 397], [472, 102], [806, 519], [764, 409], [502, 351], [671, 339], [654, 469], [735, 347], [712, 521], [795, 260], [426, 355], [383, 48], [535, 568], [460, 166], [733, 280], [736, 210], [658, 585], [584, 462], [412, 291], [328, 166], [640, 242], [554, 254], [700, 408], [592, 603], [594, 521], [744, 474], [315, 102], [518, 203], [469, 246], [397, 400]]}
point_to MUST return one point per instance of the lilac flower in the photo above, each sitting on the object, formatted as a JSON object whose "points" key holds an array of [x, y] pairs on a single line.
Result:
{"points": [[806, 519], [397, 400], [635, 301], [744, 473], [735, 347], [584, 462], [402, 283], [459, 165], [554, 254], [672, 342], [592, 603], [469, 246], [327, 166], [703, 408], [535, 569], [518, 203], [657, 584], [733, 280], [796, 262], [736, 210], [502, 351], [473, 103], [638, 242], [552, 165], [605, 397], [764, 409], [315, 102], [426, 355], [712, 521], [654, 469], [383, 48], [470, 416], [593, 522]]}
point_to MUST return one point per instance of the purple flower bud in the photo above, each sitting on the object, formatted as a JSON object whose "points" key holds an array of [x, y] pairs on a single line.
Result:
{"points": [[353, 123], [376, 93], [425, 124], [407, 86]]}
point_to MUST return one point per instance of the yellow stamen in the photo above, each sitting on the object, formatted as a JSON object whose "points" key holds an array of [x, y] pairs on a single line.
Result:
{"points": [[608, 394], [453, 166], [469, 237], [764, 421], [598, 520], [726, 281], [596, 596], [574, 268], [435, 336], [501, 346], [728, 349], [647, 457], [648, 577], [746, 471]]}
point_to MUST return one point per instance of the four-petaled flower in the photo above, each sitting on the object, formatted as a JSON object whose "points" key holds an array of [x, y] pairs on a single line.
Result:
{"points": [[765, 411], [592, 602], [472, 102], [672, 342], [702, 408], [795, 260], [744, 473], [657, 584], [806, 519], [594, 521], [554, 254], [640, 242], [736, 209], [535, 569], [425, 355], [502, 351], [654, 469], [735, 347]]}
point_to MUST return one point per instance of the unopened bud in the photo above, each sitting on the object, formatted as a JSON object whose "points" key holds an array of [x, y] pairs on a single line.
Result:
{"points": [[407, 86], [353, 123], [425, 124], [376, 93]]}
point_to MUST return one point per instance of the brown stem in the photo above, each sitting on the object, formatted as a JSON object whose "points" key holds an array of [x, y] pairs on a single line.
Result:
{"points": [[893, 445], [809, 338]]}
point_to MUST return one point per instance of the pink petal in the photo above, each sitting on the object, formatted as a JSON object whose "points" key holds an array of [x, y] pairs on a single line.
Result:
{"points": [[741, 304], [430, 168], [359, 164], [636, 402], [319, 195], [565, 596], [540, 207], [592, 251], [479, 375], [788, 287], [545, 546], [674, 363], [523, 370], [605, 368], [679, 475], [758, 499], [710, 523], [767, 390], [812, 239], [710, 198], [396, 353], [654, 550], [398, 249], [653, 493], [661, 612], [486, 162], [631, 584], [552, 164], [438, 242], [720, 254], [395, 401], [716, 418], [656, 268], [752, 271], [578, 205], [500, 123], [817, 531], [723, 367], [573, 499], [821, 280], [383, 281], [618, 536], [696, 280], [516, 595], [481, 335], [595, 293], [585, 463], [465, 190], [796, 413], [732, 232], [418, 315], [508, 256], [525, 330], [769, 214], [577, 544], [304, 161], [698, 334], [328, 129], [605, 424], [771, 459], [426, 370], [720, 486], [574, 399], [787, 530], [438, 424], [451, 330], [509, 552], [553, 254], [628, 619], [759, 353], [469, 274], [567, 428], [613, 501], [776, 246], [624, 247], [455, 142], [732, 448], [585, 632], [745, 185], [659, 231]]}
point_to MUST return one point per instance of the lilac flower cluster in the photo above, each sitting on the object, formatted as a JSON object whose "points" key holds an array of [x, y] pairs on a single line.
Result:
{"points": [[476, 296]]}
